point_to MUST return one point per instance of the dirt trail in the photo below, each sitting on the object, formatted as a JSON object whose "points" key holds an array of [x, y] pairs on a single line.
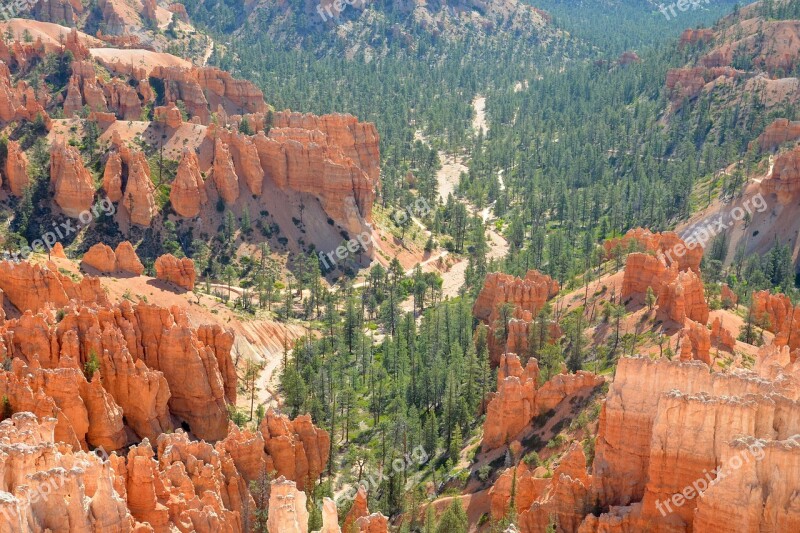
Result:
{"points": [[209, 51], [447, 178], [479, 123]]}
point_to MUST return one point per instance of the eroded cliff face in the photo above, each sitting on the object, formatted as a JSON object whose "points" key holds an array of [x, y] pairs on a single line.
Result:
{"points": [[334, 158], [775, 313], [49, 486], [679, 449], [519, 398], [79, 486], [181, 272], [667, 245], [680, 294], [784, 181], [527, 296], [73, 185], [780, 131], [655, 407], [152, 363]]}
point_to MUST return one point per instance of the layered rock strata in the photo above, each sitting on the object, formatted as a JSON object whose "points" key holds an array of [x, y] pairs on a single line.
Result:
{"points": [[519, 398], [527, 297]]}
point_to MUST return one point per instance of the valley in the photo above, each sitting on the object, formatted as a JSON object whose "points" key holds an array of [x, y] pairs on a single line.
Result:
{"points": [[495, 266]]}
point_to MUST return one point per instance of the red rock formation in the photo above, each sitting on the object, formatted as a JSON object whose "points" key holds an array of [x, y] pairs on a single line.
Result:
{"points": [[35, 287], [127, 260], [680, 295], [569, 490], [738, 502], [138, 198], [144, 355], [628, 57], [123, 99], [180, 11], [168, 115], [74, 187], [73, 103], [784, 181], [333, 157], [528, 486], [528, 297], [654, 408], [775, 313], [684, 297], [357, 510], [728, 297], [721, 337], [287, 506], [519, 400], [225, 178], [297, 449], [58, 251], [695, 342], [178, 271], [688, 83], [374, 523], [188, 193], [56, 11], [79, 485], [779, 132], [149, 10], [667, 245], [101, 258], [693, 36], [16, 169], [207, 88], [190, 484], [247, 162]]}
